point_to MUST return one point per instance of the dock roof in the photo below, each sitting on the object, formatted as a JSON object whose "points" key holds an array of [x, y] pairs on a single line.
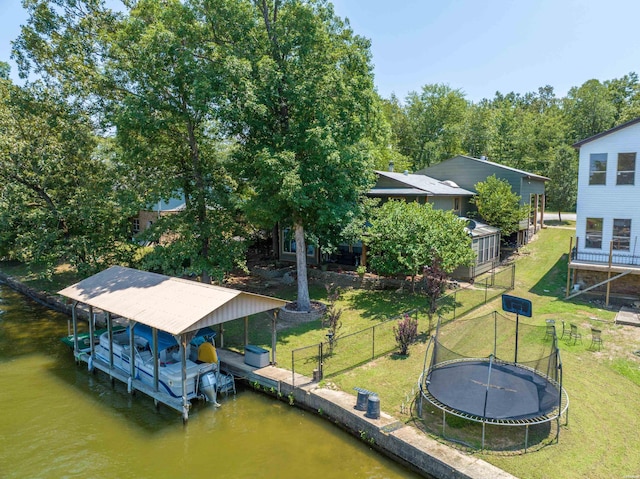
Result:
{"points": [[166, 303]]}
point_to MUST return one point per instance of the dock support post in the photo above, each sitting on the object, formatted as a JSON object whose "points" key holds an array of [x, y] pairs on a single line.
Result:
{"points": [[183, 358], [74, 319], [110, 333], [155, 358], [132, 356], [273, 337], [246, 330], [92, 348]]}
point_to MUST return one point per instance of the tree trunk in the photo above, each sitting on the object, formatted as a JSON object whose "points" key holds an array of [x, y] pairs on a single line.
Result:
{"points": [[275, 242], [304, 304], [559, 216]]}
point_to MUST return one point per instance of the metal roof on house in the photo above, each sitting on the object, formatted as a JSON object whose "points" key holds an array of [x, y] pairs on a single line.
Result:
{"points": [[166, 303], [418, 185], [526, 174]]}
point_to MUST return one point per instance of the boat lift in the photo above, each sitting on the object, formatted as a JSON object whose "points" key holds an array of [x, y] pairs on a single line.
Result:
{"points": [[177, 306]]}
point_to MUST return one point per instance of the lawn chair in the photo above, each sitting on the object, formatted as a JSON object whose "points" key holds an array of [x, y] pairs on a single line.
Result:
{"points": [[551, 329], [566, 330], [596, 338], [574, 334]]}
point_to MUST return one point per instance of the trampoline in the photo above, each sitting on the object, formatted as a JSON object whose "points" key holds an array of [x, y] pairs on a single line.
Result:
{"points": [[491, 370]]}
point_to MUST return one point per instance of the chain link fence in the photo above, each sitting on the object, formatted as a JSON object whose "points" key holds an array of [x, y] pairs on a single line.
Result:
{"points": [[329, 358]]}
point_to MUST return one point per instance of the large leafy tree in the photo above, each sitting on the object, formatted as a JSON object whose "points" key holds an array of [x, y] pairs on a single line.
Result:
{"points": [[404, 238], [59, 200], [156, 85], [589, 109], [305, 114], [436, 118], [499, 206], [562, 190]]}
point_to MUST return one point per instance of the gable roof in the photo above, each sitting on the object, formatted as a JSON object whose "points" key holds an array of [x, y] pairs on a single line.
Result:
{"points": [[166, 303], [523, 173], [417, 185], [605, 133]]}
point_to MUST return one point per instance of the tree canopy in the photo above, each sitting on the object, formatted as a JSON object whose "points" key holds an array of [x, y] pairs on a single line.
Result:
{"points": [[499, 206], [406, 237]]}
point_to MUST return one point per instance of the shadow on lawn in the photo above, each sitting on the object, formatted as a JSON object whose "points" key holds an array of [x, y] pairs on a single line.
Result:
{"points": [[554, 282], [382, 305]]}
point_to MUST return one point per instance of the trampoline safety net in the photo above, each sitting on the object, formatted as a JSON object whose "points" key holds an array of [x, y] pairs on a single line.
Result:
{"points": [[494, 368]]}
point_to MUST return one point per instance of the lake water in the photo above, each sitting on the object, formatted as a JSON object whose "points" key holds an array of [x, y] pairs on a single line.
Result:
{"points": [[59, 421]]}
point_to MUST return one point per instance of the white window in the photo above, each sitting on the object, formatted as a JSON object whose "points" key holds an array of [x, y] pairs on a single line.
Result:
{"points": [[593, 236], [598, 169], [626, 169], [289, 243], [621, 234]]}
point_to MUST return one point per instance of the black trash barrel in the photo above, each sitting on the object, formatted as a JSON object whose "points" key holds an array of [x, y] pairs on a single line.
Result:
{"points": [[361, 402], [373, 407]]}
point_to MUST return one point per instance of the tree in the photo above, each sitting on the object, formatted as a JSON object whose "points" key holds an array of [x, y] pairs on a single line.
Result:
{"points": [[562, 190], [405, 237], [305, 111], [59, 198], [589, 109], [499, 206], [436, 119], [154, 82]]}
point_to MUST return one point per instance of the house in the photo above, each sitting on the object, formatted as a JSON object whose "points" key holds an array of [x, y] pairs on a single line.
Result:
{"points": [[606, 251], [150, 215], [443, 195], [467, 171]]}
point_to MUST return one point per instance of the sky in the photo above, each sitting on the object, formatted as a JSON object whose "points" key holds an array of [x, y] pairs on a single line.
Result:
{"points": [[479, 47]]}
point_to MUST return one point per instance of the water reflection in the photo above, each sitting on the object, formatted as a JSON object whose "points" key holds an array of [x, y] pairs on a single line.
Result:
{"points": [[58, 420]]}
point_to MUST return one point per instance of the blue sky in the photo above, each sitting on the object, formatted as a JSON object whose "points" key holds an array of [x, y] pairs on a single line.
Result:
{"points": [[477, 46]]}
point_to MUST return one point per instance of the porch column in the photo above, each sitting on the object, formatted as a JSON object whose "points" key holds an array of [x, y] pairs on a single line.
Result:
{"points": [[544, 200], [246, 330], [535, 223]]}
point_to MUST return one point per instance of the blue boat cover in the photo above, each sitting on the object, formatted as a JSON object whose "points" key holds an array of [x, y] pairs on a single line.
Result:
{"points": [[166, 340]]}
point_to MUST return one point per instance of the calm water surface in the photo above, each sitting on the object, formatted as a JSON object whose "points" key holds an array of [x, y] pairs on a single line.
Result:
{"points": [[59, 421]]}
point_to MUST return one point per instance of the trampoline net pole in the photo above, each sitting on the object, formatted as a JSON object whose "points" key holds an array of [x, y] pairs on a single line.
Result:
{"points": [[486, 395]]}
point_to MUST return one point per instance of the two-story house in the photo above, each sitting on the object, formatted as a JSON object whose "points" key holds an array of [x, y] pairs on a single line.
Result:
{"points": [[467, 171], [606, 254]]}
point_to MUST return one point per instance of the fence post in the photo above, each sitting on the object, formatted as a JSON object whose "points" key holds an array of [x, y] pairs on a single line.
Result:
{"points": [[513, 275], [373, 343], [293, 369], [321, 360], [486, 287], [455, 301]]}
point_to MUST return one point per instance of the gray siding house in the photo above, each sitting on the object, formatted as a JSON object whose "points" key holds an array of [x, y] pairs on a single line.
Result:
{"points": [[466, 171]]}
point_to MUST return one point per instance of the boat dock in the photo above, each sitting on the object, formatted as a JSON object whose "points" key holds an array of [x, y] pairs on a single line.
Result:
{"points": [[132, 385]]}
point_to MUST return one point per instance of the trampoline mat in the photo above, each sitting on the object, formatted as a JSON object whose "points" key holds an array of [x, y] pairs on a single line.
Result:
{"points": [[513, 393]]}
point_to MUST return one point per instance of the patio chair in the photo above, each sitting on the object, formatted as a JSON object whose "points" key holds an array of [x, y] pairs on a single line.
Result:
{"points": [[566, 330], [574, 334], [596, 338], [551, 329]]}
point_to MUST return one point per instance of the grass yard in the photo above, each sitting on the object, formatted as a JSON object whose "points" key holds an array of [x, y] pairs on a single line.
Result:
{"points": [[601, 439]]}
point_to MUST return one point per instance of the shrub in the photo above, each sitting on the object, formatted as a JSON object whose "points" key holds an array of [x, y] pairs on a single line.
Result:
{"points": [[406, 332]]}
